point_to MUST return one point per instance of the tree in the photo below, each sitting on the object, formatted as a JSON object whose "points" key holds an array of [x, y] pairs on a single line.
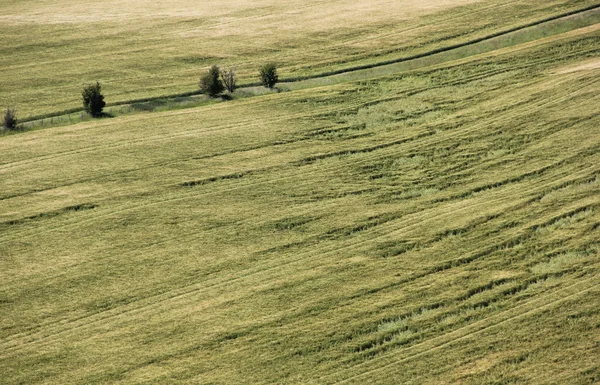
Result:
{"points": [[93, 100], [210, 83], [268, 75], [229, 79], [10, 119]]}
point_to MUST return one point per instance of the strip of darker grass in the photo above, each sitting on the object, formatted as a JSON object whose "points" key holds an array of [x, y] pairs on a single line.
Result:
{"points": [[188, 94]]}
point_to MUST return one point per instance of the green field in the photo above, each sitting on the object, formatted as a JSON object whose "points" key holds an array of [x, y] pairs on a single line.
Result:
{"points": [[429, 221]]}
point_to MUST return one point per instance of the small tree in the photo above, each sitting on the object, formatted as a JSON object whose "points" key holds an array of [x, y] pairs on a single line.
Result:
{"points": [[268, 75], [229, 79], [10, 119], [93, 100], [210, 83]]}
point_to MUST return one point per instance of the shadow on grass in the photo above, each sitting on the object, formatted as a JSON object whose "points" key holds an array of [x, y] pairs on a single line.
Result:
{"points": [[103, 115]]}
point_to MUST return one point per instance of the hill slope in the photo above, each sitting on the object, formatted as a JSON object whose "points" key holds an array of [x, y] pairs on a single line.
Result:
{"points": [[439, 225], [140, 48]]}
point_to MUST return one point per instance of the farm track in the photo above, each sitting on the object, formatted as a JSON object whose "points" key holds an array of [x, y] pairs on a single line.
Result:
{"points": [[345, 301], [109, 214], [430, 340], [380, 230], [149, 307]]}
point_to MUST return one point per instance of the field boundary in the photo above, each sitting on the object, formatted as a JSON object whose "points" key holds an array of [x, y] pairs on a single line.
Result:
{"points": [[283, 81], [443, 49]]}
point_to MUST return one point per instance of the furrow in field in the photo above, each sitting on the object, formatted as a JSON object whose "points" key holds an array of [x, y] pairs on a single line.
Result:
{"points": [[247, 123], [158, 138], [380, 231], [422, 142], [181, 293], [266, 179], [529, 308]]}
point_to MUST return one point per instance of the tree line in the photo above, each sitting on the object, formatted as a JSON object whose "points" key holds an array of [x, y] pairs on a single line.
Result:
{"points": [[212, 83]]}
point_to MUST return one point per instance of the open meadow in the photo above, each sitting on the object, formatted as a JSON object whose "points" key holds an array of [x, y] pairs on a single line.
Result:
{"points": [[429, 221]]}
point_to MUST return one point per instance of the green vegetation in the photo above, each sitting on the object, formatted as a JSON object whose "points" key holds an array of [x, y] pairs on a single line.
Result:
{"points": [[229, 79], [210, 83], [10, 119], [268, 75], [427, 222], [93, 100]]}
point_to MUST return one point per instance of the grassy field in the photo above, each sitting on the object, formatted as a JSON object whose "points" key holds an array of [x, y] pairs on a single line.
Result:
{"points": [[141, 49], [439, 224]]}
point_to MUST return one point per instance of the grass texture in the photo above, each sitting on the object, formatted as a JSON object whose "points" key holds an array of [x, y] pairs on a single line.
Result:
{"points": [[439, 224], [142, 49]]}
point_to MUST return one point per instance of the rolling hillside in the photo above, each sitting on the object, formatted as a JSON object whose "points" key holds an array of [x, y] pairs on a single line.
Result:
{"points": [[427, 221]]}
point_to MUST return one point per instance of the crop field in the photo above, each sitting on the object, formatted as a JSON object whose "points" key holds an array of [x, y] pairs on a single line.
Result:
{"points": [[430, 221], [141, 48]]}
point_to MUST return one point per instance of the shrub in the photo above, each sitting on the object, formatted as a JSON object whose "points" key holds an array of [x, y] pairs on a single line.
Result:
{"points": [[93, 100], [268, 75], [229, 79], [10, 119], [210, 83]]}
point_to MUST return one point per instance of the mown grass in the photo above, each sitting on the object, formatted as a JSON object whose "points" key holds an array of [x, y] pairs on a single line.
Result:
{"points": [[432, 226], [147, 50]]}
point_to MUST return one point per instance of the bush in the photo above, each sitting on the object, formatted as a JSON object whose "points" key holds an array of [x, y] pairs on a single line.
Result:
{"points": [[10, 119], [93, 100], [268, 75], [210, 83], [229, 79]]}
